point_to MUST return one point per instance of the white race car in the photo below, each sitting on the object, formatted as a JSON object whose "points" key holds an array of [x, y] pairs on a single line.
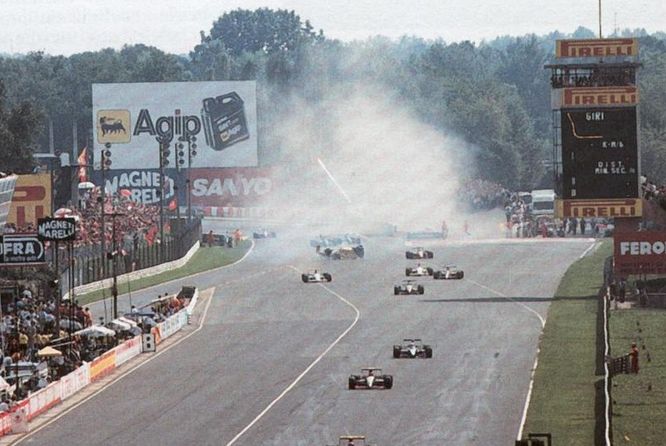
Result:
{"points": [[419, 253], [412, 348], [419, 271], [449, 272], [408, 287], [316, 277]]}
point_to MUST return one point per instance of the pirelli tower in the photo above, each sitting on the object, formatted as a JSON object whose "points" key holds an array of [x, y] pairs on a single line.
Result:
{"points": [[594, 99]]}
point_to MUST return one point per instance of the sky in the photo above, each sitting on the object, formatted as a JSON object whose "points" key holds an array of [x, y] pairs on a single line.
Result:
{"points": [[73, 26]]}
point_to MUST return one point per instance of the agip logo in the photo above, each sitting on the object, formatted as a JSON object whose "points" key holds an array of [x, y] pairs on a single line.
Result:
{"points": [[114, 126]]}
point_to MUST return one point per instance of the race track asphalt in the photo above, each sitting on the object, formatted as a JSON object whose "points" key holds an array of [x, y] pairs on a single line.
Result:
{"points": [[265, 327]]}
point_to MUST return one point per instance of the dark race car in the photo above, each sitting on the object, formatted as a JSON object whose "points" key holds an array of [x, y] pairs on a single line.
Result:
{"points": [[408, 287], [412, 348], [449, 272], [352, 440], [316, 277], [342, 253], [263, 233], [371, 378], [419, 253], [419, 271]]}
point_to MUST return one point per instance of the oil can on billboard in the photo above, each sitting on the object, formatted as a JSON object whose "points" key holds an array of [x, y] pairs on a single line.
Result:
{"points": [[218, 118]]}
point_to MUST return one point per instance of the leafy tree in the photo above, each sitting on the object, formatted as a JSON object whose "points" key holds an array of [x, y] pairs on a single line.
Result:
{"points": [[17, 135]]}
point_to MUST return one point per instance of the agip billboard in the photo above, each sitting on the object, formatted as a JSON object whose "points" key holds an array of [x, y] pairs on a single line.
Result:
{"points": [[132, 116]]}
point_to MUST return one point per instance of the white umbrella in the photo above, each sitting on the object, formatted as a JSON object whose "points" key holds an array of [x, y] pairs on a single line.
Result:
{"points": [[96, 331], [86, 185], [3, 384], [127, 321], [62, 212], [120, 324]]}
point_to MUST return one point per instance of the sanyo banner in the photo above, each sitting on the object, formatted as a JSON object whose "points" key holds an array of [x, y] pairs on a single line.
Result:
{"points": [[208, 124], [640, 252]]}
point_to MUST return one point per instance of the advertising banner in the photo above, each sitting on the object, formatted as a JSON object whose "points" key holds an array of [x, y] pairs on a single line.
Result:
{"points": [[240, 187], [21, 249], [56, 229], [74, 381], [103, 365], [127, 350], [140, 185], [7, 185], [599, 97], [599, 153], [219, 118], [626, 47], [642, 252], [31, 200], [629, 207]]}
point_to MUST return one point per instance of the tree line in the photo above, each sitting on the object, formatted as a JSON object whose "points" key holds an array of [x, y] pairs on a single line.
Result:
{"points": [[495, 95]]}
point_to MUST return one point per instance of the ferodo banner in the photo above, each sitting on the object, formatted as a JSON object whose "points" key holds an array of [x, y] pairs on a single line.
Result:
{"points": [[640, 252], [219, 119], [239, 187], [31, 199]]}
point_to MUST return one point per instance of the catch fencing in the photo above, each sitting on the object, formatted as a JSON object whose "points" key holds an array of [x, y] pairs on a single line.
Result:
{"points": [[90, 265]]}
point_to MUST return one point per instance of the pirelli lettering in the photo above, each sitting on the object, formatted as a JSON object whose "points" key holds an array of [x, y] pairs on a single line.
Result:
{"points": [[597, 48], [600, 97], [630, 207]]}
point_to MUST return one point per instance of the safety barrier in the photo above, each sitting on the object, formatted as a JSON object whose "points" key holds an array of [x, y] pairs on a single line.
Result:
{"points": [[39, 402]]}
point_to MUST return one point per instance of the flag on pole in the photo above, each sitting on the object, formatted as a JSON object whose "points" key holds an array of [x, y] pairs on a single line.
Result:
{"points": [[82, 161], [173, 204]]}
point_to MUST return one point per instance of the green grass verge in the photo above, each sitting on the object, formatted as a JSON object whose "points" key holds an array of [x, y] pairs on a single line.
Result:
{"points": [[639, 408], [203, 260], [563, 396]]}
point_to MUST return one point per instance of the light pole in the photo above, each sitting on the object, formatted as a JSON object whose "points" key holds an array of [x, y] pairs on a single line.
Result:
{"points": [[164, 161], [113, 255], [105, 162], [191, 141]]}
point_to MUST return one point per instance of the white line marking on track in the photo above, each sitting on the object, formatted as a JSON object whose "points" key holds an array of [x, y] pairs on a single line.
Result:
{"points": [[141, 364], [527, 307], [305, 372], [523, 418], [589, 248]]}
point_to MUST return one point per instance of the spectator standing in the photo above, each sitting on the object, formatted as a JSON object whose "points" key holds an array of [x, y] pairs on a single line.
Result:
{"points": [[582, 226], [633, 358]]}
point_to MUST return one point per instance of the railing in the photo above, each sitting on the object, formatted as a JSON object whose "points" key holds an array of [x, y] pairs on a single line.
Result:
{"points": [[91, 266]]}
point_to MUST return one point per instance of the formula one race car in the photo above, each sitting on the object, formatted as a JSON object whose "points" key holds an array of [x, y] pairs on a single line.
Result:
{"points": [[408, 287], [418, 253], [263, 233], [449, 272], [412, 348], [342, 253], [336, 240], [371, 378], [352, 440], [316, 277], [419, 271]]}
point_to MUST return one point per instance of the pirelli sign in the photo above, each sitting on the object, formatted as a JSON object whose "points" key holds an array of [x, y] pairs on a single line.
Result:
{"points": [[597, 48], [641, 252], [623, 207], [599, 97]]}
